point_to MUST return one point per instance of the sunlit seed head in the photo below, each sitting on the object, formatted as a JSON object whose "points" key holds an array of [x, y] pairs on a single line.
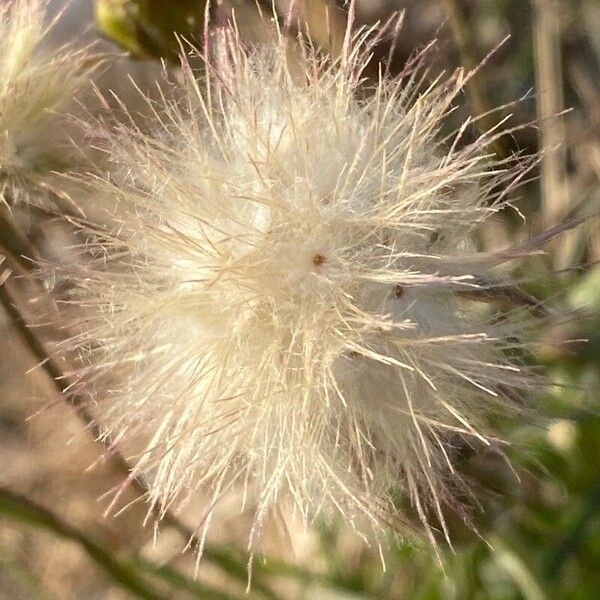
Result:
{"points": [[277, 303], [37, 85]]}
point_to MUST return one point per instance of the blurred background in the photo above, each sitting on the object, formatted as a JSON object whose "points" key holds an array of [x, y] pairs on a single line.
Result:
{"points": [[538, 526]]}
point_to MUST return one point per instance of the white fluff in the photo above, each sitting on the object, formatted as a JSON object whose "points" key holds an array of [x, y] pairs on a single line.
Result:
{"points": [[279, 305], [37, 86]]}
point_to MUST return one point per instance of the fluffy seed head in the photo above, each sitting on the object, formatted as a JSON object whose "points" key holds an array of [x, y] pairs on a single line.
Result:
{"points": [[36, 84], [282, 302]]}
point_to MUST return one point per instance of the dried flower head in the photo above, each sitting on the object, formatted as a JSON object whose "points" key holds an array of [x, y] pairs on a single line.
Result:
{"points": [[37, 83], [289, 300]]}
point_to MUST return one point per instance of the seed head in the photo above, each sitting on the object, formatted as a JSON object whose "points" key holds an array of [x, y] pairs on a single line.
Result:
{"points": [[287, 300], [37, 83]]}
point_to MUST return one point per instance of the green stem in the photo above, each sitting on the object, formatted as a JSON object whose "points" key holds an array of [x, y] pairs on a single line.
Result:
{"points": [[22, 509], [180, 581]]}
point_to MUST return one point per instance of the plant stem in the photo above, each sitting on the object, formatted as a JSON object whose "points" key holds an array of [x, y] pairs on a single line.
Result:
{"points": [[22, 509]]}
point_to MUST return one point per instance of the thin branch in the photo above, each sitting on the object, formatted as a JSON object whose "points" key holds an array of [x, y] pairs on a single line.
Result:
{"points": [[126, 572], [58, 378], [22, 509], [11, 236]]}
